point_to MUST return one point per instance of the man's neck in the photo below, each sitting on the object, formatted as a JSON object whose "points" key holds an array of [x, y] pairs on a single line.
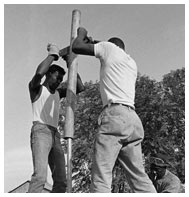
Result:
{"points": [[48, 88]]}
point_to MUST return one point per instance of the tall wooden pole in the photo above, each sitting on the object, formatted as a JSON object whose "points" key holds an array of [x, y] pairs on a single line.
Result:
{"points": [[71, 97]]}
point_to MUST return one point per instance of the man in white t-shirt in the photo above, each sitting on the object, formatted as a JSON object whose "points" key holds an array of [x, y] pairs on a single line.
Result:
{"points": [[120, 129], [45, 138]]}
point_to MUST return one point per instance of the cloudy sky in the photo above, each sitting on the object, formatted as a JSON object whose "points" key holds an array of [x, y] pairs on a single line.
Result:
{"points": [[154, 36]]}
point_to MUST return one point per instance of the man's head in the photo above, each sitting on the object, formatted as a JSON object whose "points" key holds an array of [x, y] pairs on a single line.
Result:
{"points": [[54, 76], [118, 42], [158, 165], [158, 171]]}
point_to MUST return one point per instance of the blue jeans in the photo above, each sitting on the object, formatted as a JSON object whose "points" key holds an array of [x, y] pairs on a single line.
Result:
{"points": [[119, 137], [46, 149]]}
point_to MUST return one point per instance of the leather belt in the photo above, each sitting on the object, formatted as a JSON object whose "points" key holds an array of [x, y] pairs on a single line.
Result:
{"points": [[112, 104]]}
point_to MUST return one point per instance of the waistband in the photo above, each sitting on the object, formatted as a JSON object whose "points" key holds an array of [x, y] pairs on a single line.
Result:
{"points": [[113, 104], [49, 126]]}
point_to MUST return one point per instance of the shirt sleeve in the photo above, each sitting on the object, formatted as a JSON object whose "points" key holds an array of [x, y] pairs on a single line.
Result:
{"points": [[101, 50]]}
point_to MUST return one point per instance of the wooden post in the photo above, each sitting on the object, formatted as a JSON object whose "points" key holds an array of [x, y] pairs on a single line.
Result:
{"points": [[71, 97]]}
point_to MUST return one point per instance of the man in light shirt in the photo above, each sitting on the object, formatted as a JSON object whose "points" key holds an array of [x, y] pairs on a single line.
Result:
{"points": [[120, 130], [163, 180], [45, 138]]}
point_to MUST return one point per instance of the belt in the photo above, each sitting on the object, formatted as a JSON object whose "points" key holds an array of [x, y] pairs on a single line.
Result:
{"points": [[49, 126], [112, 104]]}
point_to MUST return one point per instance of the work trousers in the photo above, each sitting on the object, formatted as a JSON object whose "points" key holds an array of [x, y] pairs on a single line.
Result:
{"points": [[46, 149], [119, 137]]}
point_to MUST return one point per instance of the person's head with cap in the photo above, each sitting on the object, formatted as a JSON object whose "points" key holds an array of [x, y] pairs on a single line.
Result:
{"points": [[158, 164]]}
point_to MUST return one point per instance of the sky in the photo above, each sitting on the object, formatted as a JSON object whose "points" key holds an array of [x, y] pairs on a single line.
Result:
{"points": [[154, 35]]}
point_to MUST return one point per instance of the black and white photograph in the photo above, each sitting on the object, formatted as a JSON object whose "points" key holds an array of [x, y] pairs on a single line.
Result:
{"points": [[94, 97]]}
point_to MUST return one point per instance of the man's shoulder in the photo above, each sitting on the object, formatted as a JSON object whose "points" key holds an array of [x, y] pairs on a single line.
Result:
{"points": [[104, 44], [172, 176], [169, 173], [35, 93], [106, 47], [34, 89]]}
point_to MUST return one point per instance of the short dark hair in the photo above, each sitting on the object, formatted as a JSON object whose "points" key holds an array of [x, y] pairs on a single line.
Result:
{"points": [[118, 42], [54, 68]]}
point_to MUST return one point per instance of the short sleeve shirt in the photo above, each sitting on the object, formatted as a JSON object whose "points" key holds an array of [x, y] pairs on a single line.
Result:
{"points": [[118, 74], [170, 183]]}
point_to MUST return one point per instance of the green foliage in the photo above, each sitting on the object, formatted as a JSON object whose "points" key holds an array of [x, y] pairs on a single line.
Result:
{"points": [[161, 107]]}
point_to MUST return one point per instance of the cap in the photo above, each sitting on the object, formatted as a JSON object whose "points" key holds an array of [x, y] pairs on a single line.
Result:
{"points": [[159, 160]]}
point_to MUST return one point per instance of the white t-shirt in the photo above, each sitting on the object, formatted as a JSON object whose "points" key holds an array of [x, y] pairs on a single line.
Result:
{"points": [[46, 108], [118, 74]]}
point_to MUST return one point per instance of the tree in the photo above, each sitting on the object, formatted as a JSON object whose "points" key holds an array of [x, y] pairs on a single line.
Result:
{"points": [[174, 115], [160, 106]]}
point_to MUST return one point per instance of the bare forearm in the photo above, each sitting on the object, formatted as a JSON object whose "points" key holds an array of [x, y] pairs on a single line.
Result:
{"points": [[44, 65], [78, 44], [81, 47]]}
